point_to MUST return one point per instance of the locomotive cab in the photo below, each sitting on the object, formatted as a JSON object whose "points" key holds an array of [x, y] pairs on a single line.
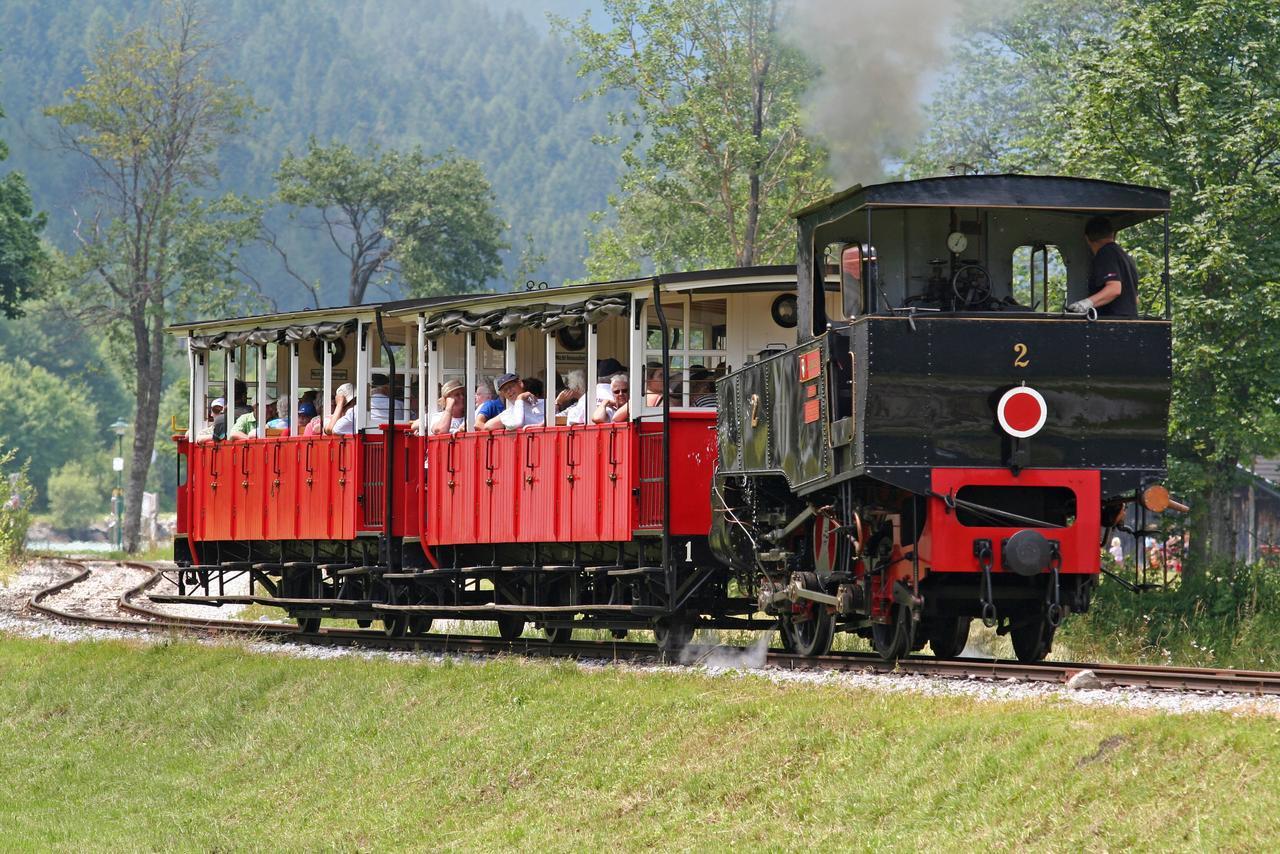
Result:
{"points": [[947, 444]]}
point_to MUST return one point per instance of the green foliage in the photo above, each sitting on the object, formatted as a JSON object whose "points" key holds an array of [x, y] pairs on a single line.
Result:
{"points": [[20, 252], [440, 74], [16, 497], [715, 155], [425, 219], [45, 419], [1198, 85], [1226, 616], [1002, 106], [77, 494]]}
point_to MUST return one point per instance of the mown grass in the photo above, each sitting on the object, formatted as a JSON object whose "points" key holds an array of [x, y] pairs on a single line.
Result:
{"points": [[111, 746]]}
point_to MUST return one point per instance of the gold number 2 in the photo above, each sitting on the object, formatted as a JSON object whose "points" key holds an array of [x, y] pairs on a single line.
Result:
{"points": [[1020, 360]]}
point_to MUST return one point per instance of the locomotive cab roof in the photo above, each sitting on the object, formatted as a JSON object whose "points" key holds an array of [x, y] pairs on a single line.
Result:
{"points": [[1019, 238]]}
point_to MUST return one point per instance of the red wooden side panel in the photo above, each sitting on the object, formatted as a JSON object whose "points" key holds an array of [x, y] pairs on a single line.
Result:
{"points": [[694, 450], [569, 453], [371, 502], [498, 485], [250, 489], [281, 522], [182, 524], [451, 492], [219, 492], [408, 482], [537, 458], [616, 498], [344, 488], [313, 489], [587, 473]]}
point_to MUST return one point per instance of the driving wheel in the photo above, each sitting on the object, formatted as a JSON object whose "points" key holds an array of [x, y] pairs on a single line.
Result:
{"points": [[1032, 641], [893, 640]]}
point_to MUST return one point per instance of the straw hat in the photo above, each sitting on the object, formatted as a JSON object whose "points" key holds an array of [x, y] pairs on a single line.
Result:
{"points": [[449, 388]]}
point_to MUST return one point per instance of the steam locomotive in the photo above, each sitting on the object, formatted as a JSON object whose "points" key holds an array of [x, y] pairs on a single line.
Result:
{"points": [[908, 433]]}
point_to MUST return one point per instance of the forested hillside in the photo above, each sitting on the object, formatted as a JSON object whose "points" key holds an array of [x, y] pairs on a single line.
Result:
{"points": [[494, 85]]}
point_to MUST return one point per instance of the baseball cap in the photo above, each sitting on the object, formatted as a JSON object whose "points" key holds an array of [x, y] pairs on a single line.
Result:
{"points": [[306, 408], [219, 401], [505, 379]]}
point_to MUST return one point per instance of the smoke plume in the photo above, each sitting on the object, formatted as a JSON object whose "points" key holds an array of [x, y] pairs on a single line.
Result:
{"points": [[876, 59]]}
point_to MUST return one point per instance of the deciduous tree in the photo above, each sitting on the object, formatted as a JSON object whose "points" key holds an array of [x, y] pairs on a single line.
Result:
{"points": [[714, 150], [1187, 96], [425, 220], [149, 120]]}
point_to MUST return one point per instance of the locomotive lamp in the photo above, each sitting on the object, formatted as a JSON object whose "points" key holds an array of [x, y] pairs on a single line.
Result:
{"points": [[117, 465]]}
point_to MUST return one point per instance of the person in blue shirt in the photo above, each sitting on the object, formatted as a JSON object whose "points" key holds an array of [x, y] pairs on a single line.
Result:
{"points": [[487, 404]]}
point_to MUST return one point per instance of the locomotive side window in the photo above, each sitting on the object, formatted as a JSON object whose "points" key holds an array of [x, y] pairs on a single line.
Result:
{"points": [[1039, 278], [851, 284]]}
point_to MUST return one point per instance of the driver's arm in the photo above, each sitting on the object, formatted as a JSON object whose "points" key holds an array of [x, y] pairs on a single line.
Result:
{"points": [[1110, 290]]}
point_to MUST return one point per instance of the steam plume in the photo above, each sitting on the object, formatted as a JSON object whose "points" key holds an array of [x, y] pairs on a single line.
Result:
{"points": [[876, 58]]}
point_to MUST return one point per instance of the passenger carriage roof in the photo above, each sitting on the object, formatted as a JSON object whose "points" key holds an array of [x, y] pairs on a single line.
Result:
{"points": [[1127, 204]]}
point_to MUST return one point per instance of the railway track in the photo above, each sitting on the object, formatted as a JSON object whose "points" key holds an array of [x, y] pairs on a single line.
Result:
{"points": [[149, 618]]}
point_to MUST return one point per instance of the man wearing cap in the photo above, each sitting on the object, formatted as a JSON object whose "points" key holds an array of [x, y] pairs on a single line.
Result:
{"points": [[1113, 277], [523, 409], [453, 405], [246, 426]]}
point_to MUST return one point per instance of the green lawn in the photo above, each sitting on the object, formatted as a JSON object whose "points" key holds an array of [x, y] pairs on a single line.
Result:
{"points": [[113, 746]]}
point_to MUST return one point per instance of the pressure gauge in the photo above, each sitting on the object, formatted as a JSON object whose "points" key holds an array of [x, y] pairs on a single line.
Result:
{"points": [[957, 242]]}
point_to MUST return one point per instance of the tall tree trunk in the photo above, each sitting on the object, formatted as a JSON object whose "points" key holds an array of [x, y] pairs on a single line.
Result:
{"points": [[149, 368]]}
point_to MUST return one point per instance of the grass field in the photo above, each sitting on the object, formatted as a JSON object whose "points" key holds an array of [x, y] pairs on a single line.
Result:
{"points": [[112, 746]]}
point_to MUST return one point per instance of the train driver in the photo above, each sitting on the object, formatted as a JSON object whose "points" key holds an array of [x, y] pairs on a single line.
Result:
{"points": [[1113, 277]]}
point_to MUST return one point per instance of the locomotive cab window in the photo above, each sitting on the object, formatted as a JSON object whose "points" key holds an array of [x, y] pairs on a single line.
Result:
{"points": [[1038, 278]]}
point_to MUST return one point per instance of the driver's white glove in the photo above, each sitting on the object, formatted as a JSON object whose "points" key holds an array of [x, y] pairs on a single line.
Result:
{"points": [[1080, 306]]}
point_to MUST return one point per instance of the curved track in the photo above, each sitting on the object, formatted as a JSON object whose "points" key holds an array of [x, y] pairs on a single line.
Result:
{"points": [[1108, 675]]}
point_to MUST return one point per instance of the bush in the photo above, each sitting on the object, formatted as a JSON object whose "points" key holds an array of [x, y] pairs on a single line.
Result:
{"points": [[15, 508], [1228, 615], [77, 495]]}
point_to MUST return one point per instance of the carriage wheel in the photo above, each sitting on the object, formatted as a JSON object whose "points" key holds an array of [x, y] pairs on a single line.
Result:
{"points": [[893, 640], [1032, 641], [418, 625], [393, 625], [948, 636], [672, 635], [308, 625], [510, 626], [811, 636]]}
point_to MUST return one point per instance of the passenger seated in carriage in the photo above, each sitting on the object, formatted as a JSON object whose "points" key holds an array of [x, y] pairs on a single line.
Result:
{"points": [[246, 426], [453, 415], [380, 402], [523, 407], [488, 404], [617, 407], [342, 421]]}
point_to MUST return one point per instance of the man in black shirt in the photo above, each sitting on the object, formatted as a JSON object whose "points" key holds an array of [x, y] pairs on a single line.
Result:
{"points": [[1113, 277]]}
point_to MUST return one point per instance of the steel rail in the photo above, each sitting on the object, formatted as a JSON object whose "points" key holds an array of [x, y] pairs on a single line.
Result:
{"points": [[1158, 677]]}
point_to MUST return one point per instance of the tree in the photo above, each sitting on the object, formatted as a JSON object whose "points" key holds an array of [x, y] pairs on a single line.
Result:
{"points": [[20, 251], [1187, 96], [78, 495], [45, 420], [716, 158], [149, 119], [425, 219], [1002, 105]]}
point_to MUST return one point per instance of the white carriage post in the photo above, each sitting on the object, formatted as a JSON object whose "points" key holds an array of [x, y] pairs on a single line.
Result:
{"points": [[328, 382], [471, 378], [230, 394], [423, 357], [362, 375], [293, 388], [432, 392], [549, 413], [260, 404], [592, 379]]}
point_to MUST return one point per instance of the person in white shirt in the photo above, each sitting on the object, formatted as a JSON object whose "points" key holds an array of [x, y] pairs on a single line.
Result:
{"points": [[342, 420], [453, 403], [616, 407], [524, 409], [380, 402]]}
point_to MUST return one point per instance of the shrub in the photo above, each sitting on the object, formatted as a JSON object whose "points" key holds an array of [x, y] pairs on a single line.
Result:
{"points": [[15, 508], [76, 495]]}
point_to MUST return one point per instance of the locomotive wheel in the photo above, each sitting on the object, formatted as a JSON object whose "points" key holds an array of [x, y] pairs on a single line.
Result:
{"points": [[393, 625], [672, 635], [560, 635], [510, 626], [810, 637], [418, 625], [893, 641], [310, 625], [1032, 641], [948, 636], [784, 638]]}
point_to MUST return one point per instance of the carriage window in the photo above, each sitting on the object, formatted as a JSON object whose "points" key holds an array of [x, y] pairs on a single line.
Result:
{"points": [[1039, 279], [699, 357]]}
